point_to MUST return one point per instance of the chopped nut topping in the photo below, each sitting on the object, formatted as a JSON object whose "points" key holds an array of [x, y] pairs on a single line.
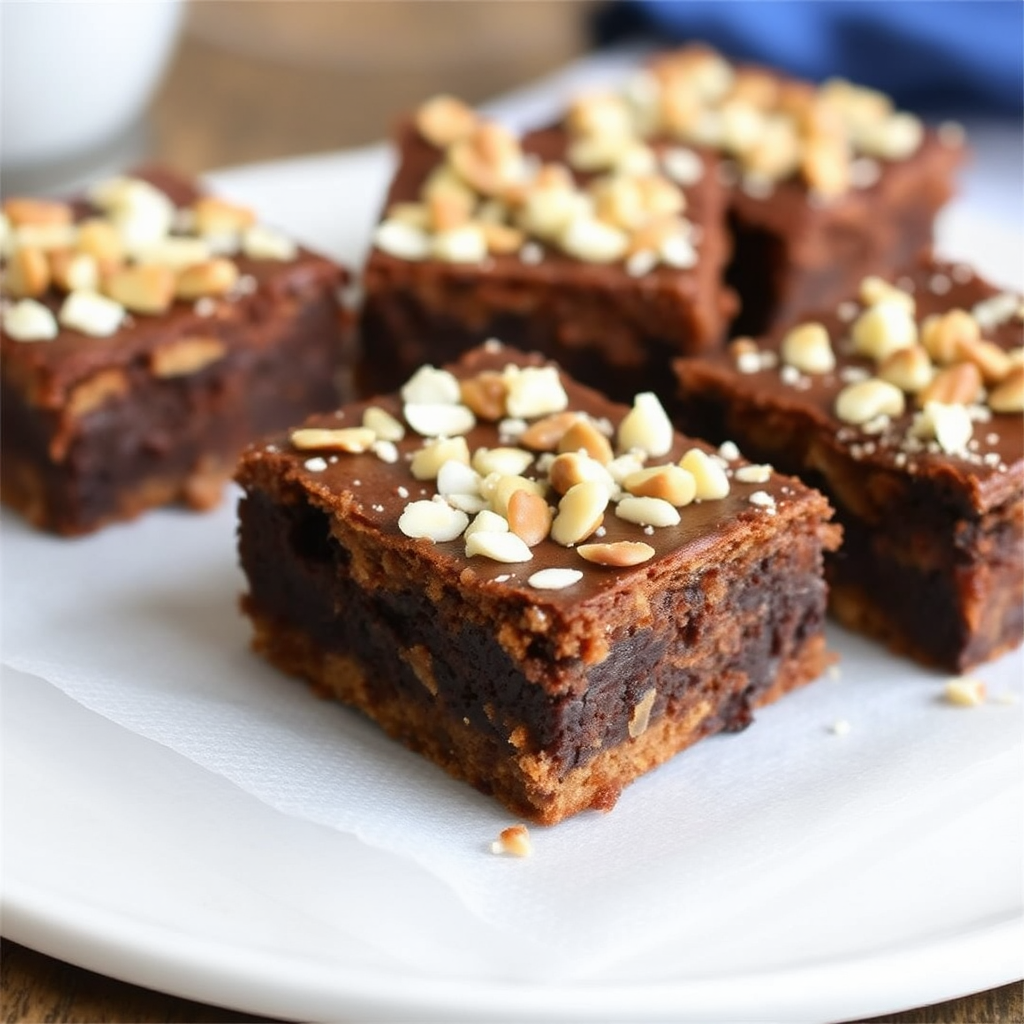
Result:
{"points": [[506, 461], [514, 840], [432, 520], [27, 275], [345, 439], [383, 424], [753, 474], [431, 386], [647, 511], [465, 244], [261, 242], [405, 241], [826, 167], [529, 517], [583, 436], [212, 215], [22, 211], [594, 241], [28, 320], [554, 579], [944, 335], [74, 271], [646, 427], [489, 159], [1009, 395], [147, 288], [571, 468], [863, 401], [100, 239], [620, 554], [669, 483], [444, 120], [91, 314], [534, 391], [545, 434], [807, 347], [484, 394], [487, 521], [959, 384], [580, 513], [211, 278], [709, 477], [499, 547], [949, 425], [453, 475], [908, 368], [993, 363], [427, 462], [499, 489], [876, 289], [438, 420], [883, 328], [175, 252]]}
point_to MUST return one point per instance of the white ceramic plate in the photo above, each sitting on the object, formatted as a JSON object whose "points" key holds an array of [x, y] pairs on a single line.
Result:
{"points": [[786, 873]]}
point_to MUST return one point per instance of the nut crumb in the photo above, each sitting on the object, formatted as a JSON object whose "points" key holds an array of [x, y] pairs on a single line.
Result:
{"points": [[513, 841], [840, 727], [964, 692]]}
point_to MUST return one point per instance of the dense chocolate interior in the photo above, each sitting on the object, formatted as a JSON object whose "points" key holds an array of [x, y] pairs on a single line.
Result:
{"points": [[756, 608], [162, 430]]}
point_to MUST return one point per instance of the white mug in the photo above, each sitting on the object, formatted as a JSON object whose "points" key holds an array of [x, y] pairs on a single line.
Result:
{"points": [[77, 74]]}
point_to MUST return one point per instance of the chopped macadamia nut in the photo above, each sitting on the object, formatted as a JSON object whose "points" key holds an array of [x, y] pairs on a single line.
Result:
{"points": [[964, 692]]}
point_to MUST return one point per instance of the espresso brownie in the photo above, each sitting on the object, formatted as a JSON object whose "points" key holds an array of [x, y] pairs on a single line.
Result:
{"points": [[612, 273], [903, 404], [149, 333], [542, 592], [827, 184]]}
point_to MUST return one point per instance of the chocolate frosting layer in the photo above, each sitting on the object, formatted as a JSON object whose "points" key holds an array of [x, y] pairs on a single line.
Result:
{"points": [[370, 494]]}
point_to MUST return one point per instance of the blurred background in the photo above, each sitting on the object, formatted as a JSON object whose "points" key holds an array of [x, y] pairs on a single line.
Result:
{"points": [[88, 86]]}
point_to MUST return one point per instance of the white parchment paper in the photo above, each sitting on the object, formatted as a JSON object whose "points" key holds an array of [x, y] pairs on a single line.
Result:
{"points": [[140, 624]]}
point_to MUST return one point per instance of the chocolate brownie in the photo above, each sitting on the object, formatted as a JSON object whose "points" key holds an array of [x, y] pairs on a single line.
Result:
{"points": [[486, 235], [150, 332], [827, 184], [573, 239], [903, 404], [542, 592]]}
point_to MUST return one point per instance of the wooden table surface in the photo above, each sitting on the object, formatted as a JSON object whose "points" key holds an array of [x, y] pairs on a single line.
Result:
{"points": [[262, 81]]}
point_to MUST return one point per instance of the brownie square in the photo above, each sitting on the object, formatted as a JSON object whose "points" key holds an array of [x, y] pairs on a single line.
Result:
{"points": [[149, 333], [612, 275], [548, 595], [903, 404], [826, 183]]}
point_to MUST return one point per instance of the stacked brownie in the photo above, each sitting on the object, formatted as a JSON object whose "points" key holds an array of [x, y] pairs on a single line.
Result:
{"points": [[622, 236], [544, 593], [903, 404], [486, 235], [149, 333]]}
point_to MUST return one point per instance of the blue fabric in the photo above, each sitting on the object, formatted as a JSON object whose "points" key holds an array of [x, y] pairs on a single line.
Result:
{"points": [[943, 55]]}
